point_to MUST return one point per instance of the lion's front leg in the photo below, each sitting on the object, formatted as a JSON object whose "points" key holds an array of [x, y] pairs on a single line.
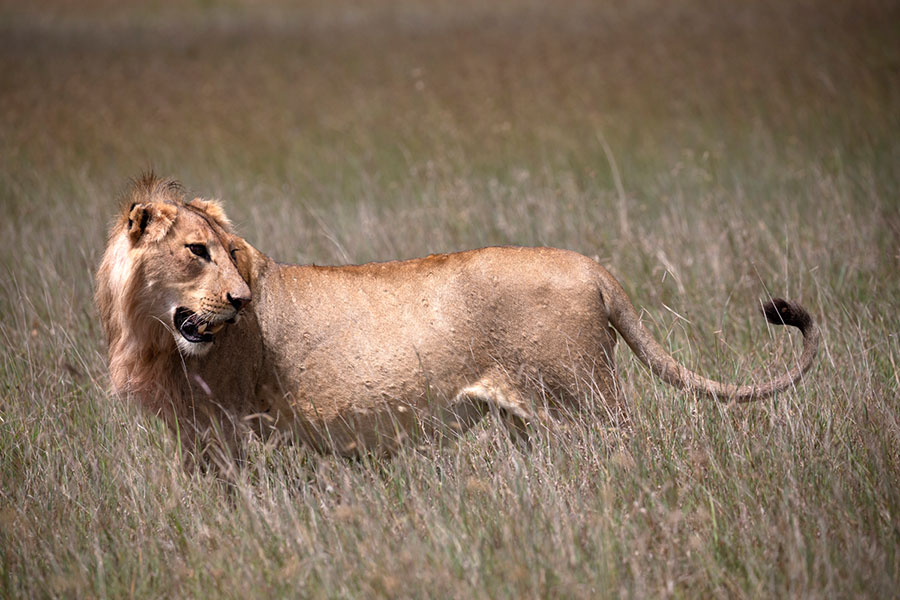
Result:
{"points": [[206, 435]]}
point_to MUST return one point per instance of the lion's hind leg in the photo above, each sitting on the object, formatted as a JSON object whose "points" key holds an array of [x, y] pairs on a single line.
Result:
{"points": [[496, 394]]}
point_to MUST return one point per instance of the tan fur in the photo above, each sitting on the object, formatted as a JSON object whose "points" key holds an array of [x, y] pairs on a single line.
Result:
{"points": [[359, 358], [214, 210]]}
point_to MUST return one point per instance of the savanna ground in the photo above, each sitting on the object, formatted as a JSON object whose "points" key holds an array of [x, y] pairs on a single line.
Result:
{"points": [[709, 154]]}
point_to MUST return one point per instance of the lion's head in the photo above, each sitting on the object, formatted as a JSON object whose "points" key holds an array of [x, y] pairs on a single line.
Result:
{"points": [[171, 274]]}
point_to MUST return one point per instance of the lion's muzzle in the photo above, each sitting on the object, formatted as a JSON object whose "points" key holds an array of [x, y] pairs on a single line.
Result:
{"points": [[194, 328]]}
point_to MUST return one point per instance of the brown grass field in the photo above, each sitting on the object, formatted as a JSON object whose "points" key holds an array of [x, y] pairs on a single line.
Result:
{"points": [[709, 153]]}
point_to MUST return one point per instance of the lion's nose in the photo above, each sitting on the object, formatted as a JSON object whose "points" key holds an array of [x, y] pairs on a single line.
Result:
{"points": [[238, 302]]}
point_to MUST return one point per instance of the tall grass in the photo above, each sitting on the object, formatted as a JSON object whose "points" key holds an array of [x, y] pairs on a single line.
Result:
{"points": [[756, 147]]}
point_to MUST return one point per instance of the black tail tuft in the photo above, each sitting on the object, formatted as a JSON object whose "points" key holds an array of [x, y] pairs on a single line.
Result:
{"points": [[782, 312]]}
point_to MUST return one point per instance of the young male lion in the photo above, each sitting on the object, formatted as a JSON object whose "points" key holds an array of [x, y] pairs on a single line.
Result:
{"points": [[212, 335]]}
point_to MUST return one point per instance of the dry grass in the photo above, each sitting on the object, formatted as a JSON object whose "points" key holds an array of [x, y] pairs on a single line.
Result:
{"points": [[757, 148]]}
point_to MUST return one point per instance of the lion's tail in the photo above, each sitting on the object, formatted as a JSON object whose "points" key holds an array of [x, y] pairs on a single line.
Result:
{"points": [[627, 322]]}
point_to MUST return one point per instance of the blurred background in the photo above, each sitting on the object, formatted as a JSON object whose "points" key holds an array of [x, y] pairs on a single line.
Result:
{"points": [[455, 123]]}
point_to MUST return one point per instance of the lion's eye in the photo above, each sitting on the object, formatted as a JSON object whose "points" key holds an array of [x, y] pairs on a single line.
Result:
{"points": [[200, 250], [234, 254]]}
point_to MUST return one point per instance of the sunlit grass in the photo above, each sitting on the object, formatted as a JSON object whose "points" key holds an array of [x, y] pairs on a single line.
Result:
{"points": [[757, 150]]}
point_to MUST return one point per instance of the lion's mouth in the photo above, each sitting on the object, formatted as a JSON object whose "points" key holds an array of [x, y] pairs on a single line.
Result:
{"points": [[193, 328]]}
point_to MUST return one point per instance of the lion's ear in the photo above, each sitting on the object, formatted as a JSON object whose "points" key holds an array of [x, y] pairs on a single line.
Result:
{"points": [[244, 255], [150, 220]]}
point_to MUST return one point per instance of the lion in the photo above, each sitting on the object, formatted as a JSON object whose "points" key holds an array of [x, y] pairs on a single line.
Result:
{"points": [[212, 335]]}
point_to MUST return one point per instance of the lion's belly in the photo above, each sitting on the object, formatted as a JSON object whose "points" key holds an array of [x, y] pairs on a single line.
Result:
{"points": [[380, 429], [359, 392], [343, 399]]}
